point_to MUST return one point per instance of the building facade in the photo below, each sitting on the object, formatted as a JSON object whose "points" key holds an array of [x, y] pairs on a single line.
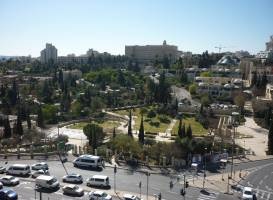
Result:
{"points": [[269, 45], [50, 53], [149, 53]]}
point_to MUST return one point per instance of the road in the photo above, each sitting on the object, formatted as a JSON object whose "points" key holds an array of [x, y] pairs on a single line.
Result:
{"points": [[128, 180]]}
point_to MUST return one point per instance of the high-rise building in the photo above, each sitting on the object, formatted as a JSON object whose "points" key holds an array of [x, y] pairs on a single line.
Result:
{"points": [[49, 53], [151, 52], [269, 45]]}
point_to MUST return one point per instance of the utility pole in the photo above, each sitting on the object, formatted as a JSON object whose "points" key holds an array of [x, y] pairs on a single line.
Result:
{"points": [[139, 185], [204, 177], [147, 174], [115, 171]]}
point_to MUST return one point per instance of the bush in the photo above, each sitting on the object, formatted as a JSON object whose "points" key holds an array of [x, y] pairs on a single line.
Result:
{"points": [[164, 119], [149, 141], [193, 88], [156, 124], [151, 114]]}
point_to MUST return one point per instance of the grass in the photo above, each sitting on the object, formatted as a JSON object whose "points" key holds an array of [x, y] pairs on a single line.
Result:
{"points": [[148, 127], [197, 128], [107, 125]]}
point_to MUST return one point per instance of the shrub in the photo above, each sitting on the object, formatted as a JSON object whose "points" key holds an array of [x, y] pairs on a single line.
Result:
{"points": [[156, 124], [151, 114], [164, 119]]}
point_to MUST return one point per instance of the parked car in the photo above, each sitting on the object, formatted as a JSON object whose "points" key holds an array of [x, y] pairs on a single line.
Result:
{"points": [[99, 195], [247, 193], [35, 174], [38, 166], [9, 180], [19, 169], [2, 170], [73, 190], [8, 194], [47, 182], [73, 178], [130, 197], [98, 180]]}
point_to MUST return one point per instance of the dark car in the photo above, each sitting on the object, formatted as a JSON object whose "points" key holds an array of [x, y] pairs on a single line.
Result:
{"points": [[8, 194]]}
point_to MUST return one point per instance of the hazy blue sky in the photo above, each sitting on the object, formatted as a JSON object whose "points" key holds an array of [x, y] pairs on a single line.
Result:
{"points": [[108, 25]]}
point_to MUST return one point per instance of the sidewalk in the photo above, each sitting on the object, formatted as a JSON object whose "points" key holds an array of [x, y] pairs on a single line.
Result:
{"points": [[217, 182]]}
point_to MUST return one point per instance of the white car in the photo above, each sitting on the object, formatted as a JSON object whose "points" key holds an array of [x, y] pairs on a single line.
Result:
{"points": [[9, 180], [2, 170], [73, 190], [38, 166], [39, 172], [73, 178], [247, 193], [99, 195], [130, 197]]}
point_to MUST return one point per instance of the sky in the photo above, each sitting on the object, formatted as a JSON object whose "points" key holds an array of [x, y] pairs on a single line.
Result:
{"points": [[74, 26]]}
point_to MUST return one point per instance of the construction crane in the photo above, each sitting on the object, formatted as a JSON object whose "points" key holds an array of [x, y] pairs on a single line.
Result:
{"points": [[220, 48]]}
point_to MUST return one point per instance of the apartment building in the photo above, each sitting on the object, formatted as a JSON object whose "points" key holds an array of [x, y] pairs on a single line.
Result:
{"points": [[148, 53], [50, 53]]}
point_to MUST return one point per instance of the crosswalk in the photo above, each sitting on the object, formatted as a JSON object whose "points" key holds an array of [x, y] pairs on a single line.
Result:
{"points": [[261, 194]]}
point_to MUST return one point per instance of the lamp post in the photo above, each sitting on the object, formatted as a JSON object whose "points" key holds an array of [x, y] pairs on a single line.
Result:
{"points": [[204, 167], [234, 123], [147, 174]]}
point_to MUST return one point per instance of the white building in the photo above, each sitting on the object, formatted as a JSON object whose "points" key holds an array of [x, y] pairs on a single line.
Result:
{"points": [[151, 52], [49, 53]]}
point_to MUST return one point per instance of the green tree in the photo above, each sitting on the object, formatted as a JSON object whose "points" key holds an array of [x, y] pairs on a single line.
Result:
{"points": [[94, 134], [183, 130], [130, 124], [28, 119], [189, 132], [114, 132], [19, 127], [141, 131], [50, 113], [193, 88], [205, 100], [206, 74], [180, 133], [40, 118], [7, 129], [270, 140]]}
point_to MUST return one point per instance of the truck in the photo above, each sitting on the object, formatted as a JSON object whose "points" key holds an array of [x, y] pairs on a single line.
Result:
{"points": [[47, 182]]}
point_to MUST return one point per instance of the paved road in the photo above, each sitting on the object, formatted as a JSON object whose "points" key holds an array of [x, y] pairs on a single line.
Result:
{"points": [[128, 181]]}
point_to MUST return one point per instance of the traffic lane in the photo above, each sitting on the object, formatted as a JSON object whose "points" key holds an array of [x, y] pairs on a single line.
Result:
{"points": [[26, 191], [262, 178]]}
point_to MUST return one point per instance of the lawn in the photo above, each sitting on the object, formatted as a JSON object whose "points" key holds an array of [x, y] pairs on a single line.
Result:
{"points": [[153, 125], [107, 125], [197, 128]]}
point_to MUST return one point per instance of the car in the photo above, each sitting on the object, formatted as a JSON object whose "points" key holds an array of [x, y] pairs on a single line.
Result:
{"points": [[38, 166], [130, 197], [8, 194], [73, 190], [2, 170], [247, 193], [99, 195], [1, 185], [35, 174], [9, 180], [73, 178]]}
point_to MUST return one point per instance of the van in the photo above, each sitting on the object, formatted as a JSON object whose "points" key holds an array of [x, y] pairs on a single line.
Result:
{"points": [[88, 161], [47, 182], [19, 169], [98, 180]]}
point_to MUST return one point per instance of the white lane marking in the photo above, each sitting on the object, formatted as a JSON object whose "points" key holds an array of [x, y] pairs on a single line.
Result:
{"points": [[261, 182], [262, 196], [268, 196], [27, 187]]}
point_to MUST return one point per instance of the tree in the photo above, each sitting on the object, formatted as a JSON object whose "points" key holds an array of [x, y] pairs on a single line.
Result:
{"points": [[130, 124], [40, 118], [28, 119], [193, 88], [180, 133], [114, 132], [141, 131], [7, 129], [19, 127], [270, 140], [94, 134], [189, 132], [183, 130], [268, 116], [240, 102], [254, 78]]}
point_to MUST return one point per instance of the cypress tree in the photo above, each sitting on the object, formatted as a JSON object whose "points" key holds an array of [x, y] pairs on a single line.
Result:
{"points": [[130, 124], [114, 132], [7, 129], [40, 118], [270, 140], [19, 127], [189, 132], [141, 131], [183, 131], [180, 133], [28, 119]]}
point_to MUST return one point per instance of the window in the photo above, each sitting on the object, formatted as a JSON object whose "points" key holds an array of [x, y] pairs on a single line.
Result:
{"points": [[99, 180]]}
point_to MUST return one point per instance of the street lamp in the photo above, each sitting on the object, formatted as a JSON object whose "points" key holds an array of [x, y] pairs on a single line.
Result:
{"points": [[204, 167], [234, 124], [147, 174]]}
